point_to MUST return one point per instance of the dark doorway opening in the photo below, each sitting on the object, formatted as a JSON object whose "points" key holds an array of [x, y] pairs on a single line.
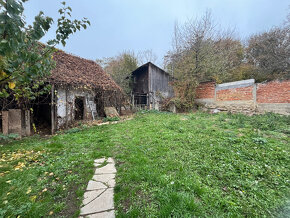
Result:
{"points": [[41, 115], [79, 108]]}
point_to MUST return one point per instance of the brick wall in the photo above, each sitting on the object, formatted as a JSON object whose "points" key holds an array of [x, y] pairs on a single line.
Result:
{"points": [[273, 92], [205, 90], [235, 94], [245, 96]]}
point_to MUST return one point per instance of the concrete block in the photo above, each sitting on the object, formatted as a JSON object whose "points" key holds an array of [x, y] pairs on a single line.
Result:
{"points": [[111, 112], [27, 123], [15, 121], [5, 124]]}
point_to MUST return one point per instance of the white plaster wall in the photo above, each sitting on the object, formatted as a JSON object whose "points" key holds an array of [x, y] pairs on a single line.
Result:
{"points": [[62, 105]]}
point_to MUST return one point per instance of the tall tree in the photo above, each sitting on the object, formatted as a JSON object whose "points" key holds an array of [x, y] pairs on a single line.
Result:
{"points": [[201, 51], [120, 68], [269, 52], [25, 64]]}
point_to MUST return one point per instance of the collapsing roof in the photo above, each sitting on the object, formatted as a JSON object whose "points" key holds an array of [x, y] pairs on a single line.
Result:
{"points": [[73, 70]]}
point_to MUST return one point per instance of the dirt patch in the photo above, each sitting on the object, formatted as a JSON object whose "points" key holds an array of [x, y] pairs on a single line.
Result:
{"points": [[72, 204]]}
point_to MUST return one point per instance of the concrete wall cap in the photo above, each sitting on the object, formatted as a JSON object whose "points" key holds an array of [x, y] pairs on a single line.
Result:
{"points": [[237, 84]]}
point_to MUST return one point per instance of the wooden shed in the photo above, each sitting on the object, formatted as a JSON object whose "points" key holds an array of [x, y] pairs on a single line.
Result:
{"points": [[151, 85]]}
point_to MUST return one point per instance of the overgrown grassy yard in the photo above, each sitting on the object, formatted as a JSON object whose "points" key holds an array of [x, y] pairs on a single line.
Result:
{"points": [[168, 165]]}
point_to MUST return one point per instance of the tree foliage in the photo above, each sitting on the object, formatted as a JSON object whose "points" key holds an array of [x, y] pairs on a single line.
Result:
{"points": [[120, 68], [269, 53], [25, 63], [201, 51]]}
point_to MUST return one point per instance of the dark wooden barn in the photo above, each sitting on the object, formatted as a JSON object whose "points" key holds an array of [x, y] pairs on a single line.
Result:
{"points": [[151, 85]]}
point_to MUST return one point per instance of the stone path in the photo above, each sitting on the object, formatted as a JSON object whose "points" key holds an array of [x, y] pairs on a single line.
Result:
{"points": [[99, 196]]}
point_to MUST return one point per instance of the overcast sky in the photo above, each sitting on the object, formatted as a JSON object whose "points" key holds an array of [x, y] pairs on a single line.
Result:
{"points": [[118, 25]]}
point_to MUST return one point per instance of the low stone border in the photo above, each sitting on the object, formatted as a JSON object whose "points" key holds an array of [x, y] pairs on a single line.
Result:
{"points": [[99, 196]]}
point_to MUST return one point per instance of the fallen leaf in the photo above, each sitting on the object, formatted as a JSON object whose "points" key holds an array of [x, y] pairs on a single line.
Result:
{"points": [[33, 198], [28, 190]]}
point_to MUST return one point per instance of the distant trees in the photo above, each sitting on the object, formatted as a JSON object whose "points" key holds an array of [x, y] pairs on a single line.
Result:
{"points": [[269, 53], [146, 56], [202, 51], [120, 68]]}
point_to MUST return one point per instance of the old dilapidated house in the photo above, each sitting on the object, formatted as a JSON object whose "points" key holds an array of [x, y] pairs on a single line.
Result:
{"points": [[151, 85], [81, 90]]}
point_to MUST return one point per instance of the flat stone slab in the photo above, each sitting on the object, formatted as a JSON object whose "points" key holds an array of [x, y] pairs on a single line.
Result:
{"points": [[92, 195], [111, 160], [103, 203], [97, 164], [93, 185], [98, 199], [108, 179], [107, 214], [108, 169]]}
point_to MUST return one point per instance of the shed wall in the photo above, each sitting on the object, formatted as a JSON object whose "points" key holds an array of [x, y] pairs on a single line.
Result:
{"points": [[159, 84], [140, 83], [66, 105]]}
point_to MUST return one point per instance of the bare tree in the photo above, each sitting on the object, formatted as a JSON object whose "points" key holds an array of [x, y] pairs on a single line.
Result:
{"points": [[146, 56], [269, 52], [201, 50], [120, 68]]}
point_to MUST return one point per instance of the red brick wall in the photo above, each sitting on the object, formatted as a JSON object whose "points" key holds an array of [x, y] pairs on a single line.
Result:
{"points": [[273, 92], [205, 90], [245, 93]]}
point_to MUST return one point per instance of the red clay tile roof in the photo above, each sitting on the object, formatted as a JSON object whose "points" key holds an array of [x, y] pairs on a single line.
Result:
{"points": [[73, 70]]}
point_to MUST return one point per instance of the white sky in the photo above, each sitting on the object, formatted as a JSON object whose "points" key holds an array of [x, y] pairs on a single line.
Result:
{"points": [[119, 25]]}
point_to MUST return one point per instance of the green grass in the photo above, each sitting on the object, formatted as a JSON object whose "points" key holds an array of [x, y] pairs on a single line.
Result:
{"points": [[168, 165]]}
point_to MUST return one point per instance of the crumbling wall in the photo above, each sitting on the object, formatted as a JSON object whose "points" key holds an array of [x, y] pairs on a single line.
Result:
{"points": [[66, 105], [246, 96]]}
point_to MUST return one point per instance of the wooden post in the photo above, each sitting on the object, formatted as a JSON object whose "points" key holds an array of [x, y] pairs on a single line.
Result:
{"points": [[52, 111], [66, 109], [27, 123]]}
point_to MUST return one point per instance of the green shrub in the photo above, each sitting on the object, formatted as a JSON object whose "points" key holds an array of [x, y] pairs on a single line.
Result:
{"points": [[8, 137]]}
